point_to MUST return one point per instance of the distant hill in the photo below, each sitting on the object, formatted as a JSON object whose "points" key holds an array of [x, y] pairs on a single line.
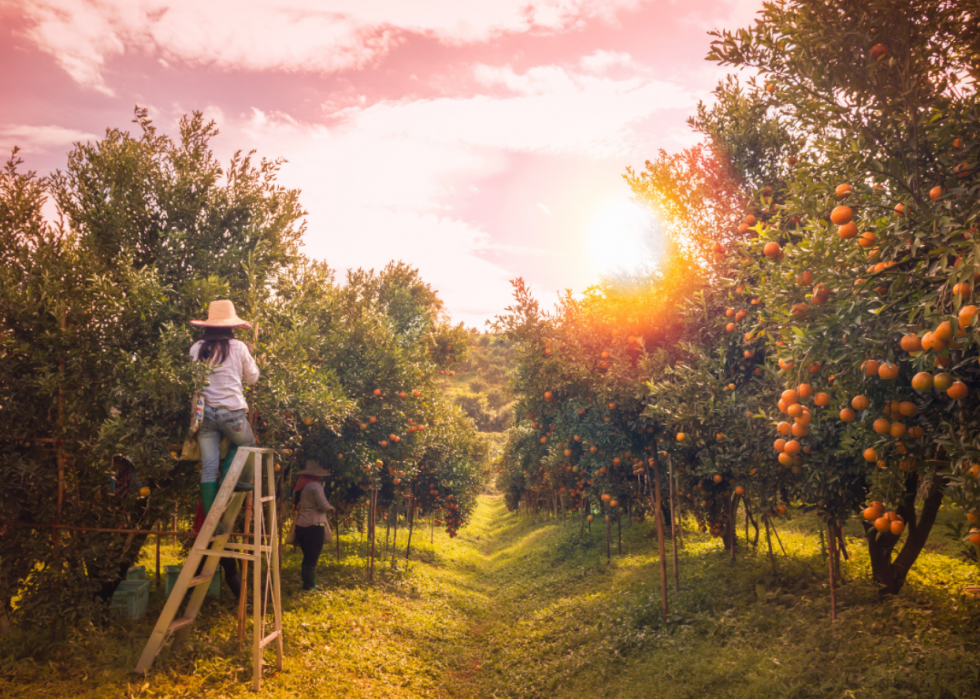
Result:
{"points": [[481, 385]]}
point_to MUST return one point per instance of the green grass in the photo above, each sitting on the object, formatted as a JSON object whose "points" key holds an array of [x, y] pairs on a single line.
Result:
{"points": [[517, 608]]}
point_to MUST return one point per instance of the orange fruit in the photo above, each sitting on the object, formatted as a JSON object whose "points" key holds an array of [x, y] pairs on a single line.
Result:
{"points": [[680, 437], [974, 537], [814, 367], [786, 459], [794, 410], [911, 343], [961, 289], [790, 397], [870, 367], [957, 391], [870, 514], [917, 432], [870, 455], [867, 239], [772, 250], [784, 428], [881, 426], [860, 402], [879, 51], [900, 210], [897, 527], [841, 215], [739, 490], [897, 430], [907, 408], [800, 430], [804, 390], [843, 190], [144, 492], [548, 396], [942, 382], [882, 524], [822, 400], [730, 327], [847, 415], [923, 382], [804, 419], [780, 444], [966, 315], [944, 331], [935, 193], [931, 341], [888, 371], [848, 230], [792, 447]]}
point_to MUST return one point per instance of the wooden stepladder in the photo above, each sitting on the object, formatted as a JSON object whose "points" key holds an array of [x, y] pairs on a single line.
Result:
{"points": [[250, 464]]}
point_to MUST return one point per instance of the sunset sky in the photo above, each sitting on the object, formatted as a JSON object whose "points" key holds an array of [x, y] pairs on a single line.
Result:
{"points": [[478, 140]]}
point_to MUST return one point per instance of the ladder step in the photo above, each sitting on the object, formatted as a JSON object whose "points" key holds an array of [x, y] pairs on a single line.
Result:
{"points": [[265, 641], [199, 580], [179, 624], [225, 553]]}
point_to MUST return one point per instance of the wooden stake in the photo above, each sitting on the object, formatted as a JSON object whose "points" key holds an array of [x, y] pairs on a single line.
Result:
{"points": [[585, 509], [772, 557], [411, 525], [833, 592], [619, 532], [608, 540], [336, 529], [680, 516], [732, 531], [371, 533], [673, 526], [159, 526], [660, 531]]}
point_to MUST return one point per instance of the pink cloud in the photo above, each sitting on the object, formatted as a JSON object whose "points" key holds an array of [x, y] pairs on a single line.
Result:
{"points": [[305, 35], [34, 138]]}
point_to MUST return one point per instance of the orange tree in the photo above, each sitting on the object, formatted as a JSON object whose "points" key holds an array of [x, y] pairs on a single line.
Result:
{"points": [[715, 402], [581, 431], [876, 223], [94, 341]]}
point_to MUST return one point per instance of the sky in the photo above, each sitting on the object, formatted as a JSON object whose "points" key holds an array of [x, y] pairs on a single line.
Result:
{"points": [[477, 140]]}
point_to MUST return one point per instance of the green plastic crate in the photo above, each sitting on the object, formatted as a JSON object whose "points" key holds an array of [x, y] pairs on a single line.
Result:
{"points": [[136, 573], [173, 572], [130, 598]]}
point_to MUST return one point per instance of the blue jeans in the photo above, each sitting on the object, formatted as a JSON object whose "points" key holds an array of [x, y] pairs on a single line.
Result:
{"points": [[221, 421]]}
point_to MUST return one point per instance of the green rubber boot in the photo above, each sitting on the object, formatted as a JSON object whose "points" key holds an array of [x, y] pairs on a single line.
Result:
{"points": [[209, 491], [241, 486]]}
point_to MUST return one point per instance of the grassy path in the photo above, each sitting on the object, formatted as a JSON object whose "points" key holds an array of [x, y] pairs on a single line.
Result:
{"points": [[515, 608]]}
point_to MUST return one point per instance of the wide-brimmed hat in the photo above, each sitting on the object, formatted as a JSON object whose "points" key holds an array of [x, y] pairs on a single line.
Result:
{"points": [[221, 314], [314, 469]]}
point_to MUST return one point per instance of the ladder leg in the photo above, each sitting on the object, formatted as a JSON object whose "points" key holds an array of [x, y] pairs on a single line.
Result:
{"points": [[257, 532], [274, 563]]}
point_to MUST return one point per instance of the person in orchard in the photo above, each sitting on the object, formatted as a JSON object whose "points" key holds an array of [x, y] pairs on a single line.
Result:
{"points": [[225, 410], [312, 528]]}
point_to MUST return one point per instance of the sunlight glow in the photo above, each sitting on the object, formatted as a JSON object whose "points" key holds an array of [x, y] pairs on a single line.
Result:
{"points": [[622, 237]]}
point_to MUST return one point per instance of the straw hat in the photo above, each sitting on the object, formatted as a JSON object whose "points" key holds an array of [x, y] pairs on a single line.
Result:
{"points": [[221, 314], [312, 468]]}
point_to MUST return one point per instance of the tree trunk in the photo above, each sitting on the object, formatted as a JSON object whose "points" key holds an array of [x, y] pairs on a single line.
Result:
{"points": [[658, 508], [890, 574]]}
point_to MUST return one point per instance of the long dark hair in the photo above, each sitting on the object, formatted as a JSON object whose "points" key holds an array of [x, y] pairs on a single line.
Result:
{"points": [[216, 345]]}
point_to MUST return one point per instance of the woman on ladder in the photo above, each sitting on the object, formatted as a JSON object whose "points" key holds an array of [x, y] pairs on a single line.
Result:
{"points": [[225, 409], [312, 528]]}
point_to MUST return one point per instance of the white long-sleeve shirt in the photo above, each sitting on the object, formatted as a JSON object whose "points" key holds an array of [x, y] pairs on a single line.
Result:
{"points": [[226, 389]]}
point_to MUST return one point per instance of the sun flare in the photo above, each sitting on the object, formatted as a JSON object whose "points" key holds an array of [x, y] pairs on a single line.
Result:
{"points": [[622, 236]]}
